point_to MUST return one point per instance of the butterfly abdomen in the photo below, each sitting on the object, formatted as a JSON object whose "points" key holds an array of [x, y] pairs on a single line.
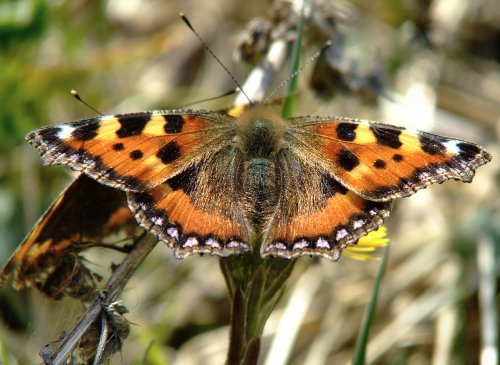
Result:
{"points": [[260, 191]]}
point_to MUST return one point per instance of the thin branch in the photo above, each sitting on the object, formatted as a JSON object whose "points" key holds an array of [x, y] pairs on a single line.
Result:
{"points": [[110, 292]]}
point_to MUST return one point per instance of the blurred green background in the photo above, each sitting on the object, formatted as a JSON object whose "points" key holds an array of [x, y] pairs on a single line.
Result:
{"points": [[439, 64]]}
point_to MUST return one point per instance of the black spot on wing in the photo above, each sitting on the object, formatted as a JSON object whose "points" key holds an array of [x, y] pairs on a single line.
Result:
{"points": [[144, 200], [347, 160], [346, 131], [380, 164], [174, 123], [118, 147], [136, 154], [48, 135], [132, 124], [110, 173], [85, 130], [387, 136], [468, 150], [431, 146], [331, 186], [169, 153], [397, 157], [186, 180]]}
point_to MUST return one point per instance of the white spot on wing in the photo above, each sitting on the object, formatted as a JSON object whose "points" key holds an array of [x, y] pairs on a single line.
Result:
{"points": [[341, 234], [322, 243], [212, 243], [233, 244], [300, 245], [105, 118], [191, 242], [452, 147], [278, 246], [173, 232], [424, 175], [90, 163], [359, 223], [158, 221], [65, 131]]}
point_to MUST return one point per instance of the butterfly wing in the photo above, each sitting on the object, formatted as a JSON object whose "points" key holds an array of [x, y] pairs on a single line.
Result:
{"points": [[339, 176], [178, 168], [315, 214], [83, 215], [198, 210], [383, 162], [132, 152]]}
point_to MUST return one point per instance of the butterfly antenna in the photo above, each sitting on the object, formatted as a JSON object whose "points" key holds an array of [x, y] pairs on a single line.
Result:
{"points": [[227, 93], [77, 97], [298, 71], [185, 19]]}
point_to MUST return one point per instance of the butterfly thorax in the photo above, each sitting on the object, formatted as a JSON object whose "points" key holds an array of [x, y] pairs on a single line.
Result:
{"points": [[260, 133]]}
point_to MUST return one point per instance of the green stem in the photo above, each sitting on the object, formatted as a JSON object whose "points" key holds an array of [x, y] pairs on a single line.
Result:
{"points": [[289, 103], [237, 341], [362, 341], [255, 286]]}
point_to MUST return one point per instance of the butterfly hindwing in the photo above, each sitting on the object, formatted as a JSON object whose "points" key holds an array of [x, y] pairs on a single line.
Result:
{"points": [[382, 162], [199, 210], [316, 215], [132, 152]]}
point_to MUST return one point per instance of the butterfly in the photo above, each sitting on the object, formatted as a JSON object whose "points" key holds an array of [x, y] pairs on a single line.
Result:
{"points": [[209, 182], [83, 215]]}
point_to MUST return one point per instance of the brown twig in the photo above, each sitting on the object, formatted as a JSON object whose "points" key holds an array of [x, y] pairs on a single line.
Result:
{"points": [[110, 292]]}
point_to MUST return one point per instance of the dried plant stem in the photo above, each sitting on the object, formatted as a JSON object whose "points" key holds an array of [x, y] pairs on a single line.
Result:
{"points": [[109, 293]]}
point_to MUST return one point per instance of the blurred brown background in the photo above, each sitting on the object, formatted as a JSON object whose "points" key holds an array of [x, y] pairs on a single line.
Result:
{"points": [[430, 65]]}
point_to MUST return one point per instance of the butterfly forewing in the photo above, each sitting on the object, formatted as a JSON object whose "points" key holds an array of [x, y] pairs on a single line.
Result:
{"points": [[133, 152], [382, 162]]}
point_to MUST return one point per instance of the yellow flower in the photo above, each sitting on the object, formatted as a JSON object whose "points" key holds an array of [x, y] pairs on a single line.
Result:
{"points": [[366, 245]]}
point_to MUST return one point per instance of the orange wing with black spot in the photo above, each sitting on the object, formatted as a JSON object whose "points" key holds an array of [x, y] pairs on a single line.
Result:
{"points": [[339, 177], [382, 162], [132, 152], [317, 215], [205, 183], [199, 210], [179, 168]]}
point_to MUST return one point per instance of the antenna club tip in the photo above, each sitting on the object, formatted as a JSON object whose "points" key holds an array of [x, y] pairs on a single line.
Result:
{"points": [[75, 94], [186, 20]]}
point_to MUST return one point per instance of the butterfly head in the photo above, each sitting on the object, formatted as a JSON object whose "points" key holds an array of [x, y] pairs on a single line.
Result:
{"points": [[260, 133]]}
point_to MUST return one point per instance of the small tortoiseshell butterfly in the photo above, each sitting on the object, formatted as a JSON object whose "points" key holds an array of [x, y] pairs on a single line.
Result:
{"points": [[81, 217], [208, 182]]}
